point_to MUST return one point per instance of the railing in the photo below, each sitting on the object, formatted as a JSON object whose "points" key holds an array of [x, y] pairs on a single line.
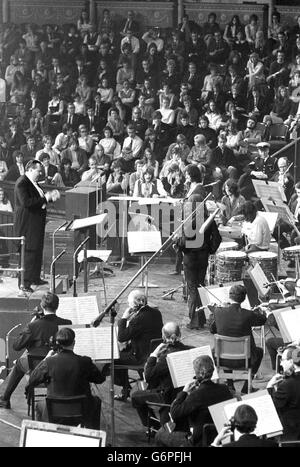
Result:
{"points": [[20, 269], [284, 148]]}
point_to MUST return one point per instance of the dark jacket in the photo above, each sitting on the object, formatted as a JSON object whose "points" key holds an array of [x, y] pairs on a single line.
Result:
{"points": [[13, 173], [36, 335], [141, 329], [194, 407], [222, 159], [252, 441]]}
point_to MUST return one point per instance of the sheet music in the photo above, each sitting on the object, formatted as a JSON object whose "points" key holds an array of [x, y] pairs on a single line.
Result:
{"points": [[88, 221], [271, 218], [282, 209], [143, 242], [80, 310], [291, 320], [96, 343], [268, 421], [144, 201], [221, 293], [181, 365], [259, 279], [103, 255], [268, 190]]}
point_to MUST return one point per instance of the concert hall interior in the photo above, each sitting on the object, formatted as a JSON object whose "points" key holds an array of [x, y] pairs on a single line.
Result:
{"points": [[150, 222]]}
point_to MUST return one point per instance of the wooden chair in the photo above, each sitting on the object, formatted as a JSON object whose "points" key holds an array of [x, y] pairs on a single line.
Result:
{"points": [[36, 392], [66, 410], [233, 348]]}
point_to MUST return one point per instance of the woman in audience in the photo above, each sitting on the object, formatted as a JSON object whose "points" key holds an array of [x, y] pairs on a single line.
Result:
{"points": [[117, 182], [200, 152], [173, 183], [282, 106], [168, 114], [84, 24], [84, 91], [166, 92], [117, 103], [233, 137], [261, 46], [19, 89], [116, 124], [125, 73], [150, 161], [251, 29], [231, 29], [54, 156], [100, 156], [37, 124], [111, 147], [148, 186], [40, 69], [138, 165], [106, 92]]}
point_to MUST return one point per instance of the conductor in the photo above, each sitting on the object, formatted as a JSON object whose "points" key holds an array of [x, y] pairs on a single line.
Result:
{"points": [[30, 219]]}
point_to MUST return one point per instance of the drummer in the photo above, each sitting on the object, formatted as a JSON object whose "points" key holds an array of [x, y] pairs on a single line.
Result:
{"points": [[255, 229]]}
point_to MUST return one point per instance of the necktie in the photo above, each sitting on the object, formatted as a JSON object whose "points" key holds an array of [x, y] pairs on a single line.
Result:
{"points": [[130, 144]]}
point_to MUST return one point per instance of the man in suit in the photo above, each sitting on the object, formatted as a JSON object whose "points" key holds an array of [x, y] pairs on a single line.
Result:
{"points": [[140, 123], [129, 24], [190, 408], [242, 426], [48, 170], [70, 117], [160, 387], [285, 392], [93, 123], [139, 324], [34, 339], [29, 220], [221, 160], [234, 321], [30, 149], [17, 169], [67, 374]]}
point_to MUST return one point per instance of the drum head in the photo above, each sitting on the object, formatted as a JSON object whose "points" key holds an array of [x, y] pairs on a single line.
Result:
{"points": [[232, 254], [262, 255], [228, 246]]}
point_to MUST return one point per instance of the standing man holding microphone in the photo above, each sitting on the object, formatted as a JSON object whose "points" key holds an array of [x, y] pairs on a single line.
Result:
{"points": [[30, 219]]}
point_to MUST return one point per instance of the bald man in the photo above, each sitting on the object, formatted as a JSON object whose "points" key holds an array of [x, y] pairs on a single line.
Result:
{"points": [[160, 388], [139, 324]]}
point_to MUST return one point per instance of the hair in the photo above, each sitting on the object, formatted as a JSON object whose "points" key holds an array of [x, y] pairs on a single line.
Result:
{"points": [[32, 164], [5, 198], [245, 419], [138, 161], [148, 170], [238, 293], [50, 302], [107, 128], [43, 156], [66, 161], [153, 159], [232, 187], [253, 18], [139, 298], [194, 173], [171, 332], [203, 117], [73, 140], [204, 367], [65, 337], [249, 210]]}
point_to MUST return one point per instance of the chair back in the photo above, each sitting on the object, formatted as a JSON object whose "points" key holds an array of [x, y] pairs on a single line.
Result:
{"points": [[66, 410], [154, 343], [232, 348], [278, 131]]}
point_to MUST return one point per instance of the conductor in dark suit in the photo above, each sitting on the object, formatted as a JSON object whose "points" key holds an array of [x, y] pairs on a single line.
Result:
{"points": [[138, 326], [29, 220], [34, 339], [67, 374]]}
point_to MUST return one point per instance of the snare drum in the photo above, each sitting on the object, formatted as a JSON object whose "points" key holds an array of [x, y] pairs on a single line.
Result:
{"points": [[291, 252], [230, 266], [227, 231], [225, 246], [267, 261]]}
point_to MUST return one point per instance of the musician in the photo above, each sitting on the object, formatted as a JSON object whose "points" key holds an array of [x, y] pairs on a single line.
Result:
{"points": [[148, 186], [190, 408], [160, 387], [195, 258], [139, 324], [283, 177], [67, 374], [285, 392], [34, 339], [234, 321], [255, 228], [292, 227], [231, 202]]}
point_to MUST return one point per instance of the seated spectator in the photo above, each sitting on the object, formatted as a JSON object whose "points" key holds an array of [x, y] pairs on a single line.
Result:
{"points": [[190, 109], [125, 73], [250, 138], [84, 24], [127, 96], [17, 168], [217, 49], [48, 149], [19, 89], [148, 186], [184, 128], [261, 46], [153, 37], [84, 91], [182, 147], [100, 156], [118, 181], [168, 114], [176, 158], [209, 79], [214, 116], [190, 408], [279, 71], [134, 176], [145, 108], [255, 75], [251, 29], [70, 177], [149, 160], [233, 137], [205, 130], [166, 92], [139, 123], [174, 181], [210, 27], [49, 174], [93, 173], [62, 139], [106, 93], [85, 141], [231, 30], [200, 152], [5, 204], [222, 159], [76, 155], [37, 124], [282, 106], [116, 124], [131, 149], [80, 107], [111, 146]]}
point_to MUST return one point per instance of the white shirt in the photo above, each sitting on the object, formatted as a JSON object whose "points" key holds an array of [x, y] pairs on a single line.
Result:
{"points": [[134, 42], [258, 232], [135, 144]]}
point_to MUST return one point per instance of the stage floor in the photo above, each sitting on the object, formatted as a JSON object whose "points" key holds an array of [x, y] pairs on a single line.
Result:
{"points": [[129, 431]]}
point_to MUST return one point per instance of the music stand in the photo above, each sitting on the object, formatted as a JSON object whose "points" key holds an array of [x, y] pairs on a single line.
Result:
{"points": [[144, 244], [101, 256]]}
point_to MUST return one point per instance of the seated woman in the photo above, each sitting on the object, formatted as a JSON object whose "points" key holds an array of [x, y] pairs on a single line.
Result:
{"points": [[168, 114], [173, 183], [5, 204], [20, 89], [148, 186], [37, 124], [54, 156], [150, 161], [200, 152], [117, 182], [70, 177], [84, 90], [138, 165], [231, 202], [111, 147], [116, 124], [255, 228], [100, 156], [106, 93]]}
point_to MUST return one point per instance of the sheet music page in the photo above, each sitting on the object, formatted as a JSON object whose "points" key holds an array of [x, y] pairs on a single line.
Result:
{"points": [[140, 242], [88, 221], [96, 343], [283, 210], [259, 279], [268, 190], [103, 255], [291, 319], [268, 420], [181, 365], [80, 310], [271, 218], [219, 295]]}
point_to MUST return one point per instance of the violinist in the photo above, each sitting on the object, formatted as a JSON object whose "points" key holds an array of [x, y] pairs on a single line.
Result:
{"points": [[190, 408], [160, 387], [139, 324], [283, 177], [286, 397], [232, 320]]}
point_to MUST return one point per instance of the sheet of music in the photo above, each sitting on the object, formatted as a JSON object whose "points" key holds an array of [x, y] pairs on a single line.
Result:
{"points": [[219, 295], [88, 221], [259, 279], [269, 190], [268, 421], [103, 255], [271, 218], [291, 320], [282, 209], [96, 343], [144, 242], [181, 365], [80, 310]]}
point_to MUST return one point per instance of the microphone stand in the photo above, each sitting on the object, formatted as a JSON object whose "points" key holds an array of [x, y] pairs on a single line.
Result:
{"points": [[110, 308], [52, 270], [74, 264]]}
